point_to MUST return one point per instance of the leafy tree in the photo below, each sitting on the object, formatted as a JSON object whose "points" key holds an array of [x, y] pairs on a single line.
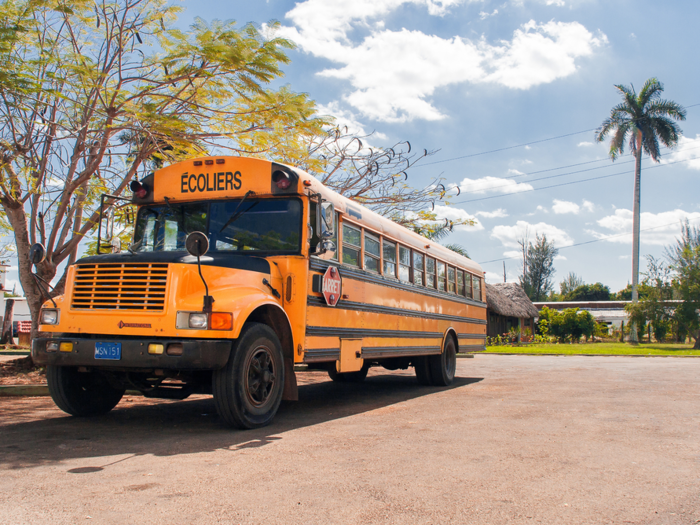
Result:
{"points": [[570, 283], [91, 93], [685, 261], [588, 292], [539, 268], [645, 119]]}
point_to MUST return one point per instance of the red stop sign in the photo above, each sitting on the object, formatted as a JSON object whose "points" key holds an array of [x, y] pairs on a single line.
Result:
{"points": [[332, 285]]}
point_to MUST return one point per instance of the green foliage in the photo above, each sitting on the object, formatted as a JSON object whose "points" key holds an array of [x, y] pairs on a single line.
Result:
{"points": [[568, 325], [539, 261], [588, 292], [644, 118], [685, 261], [570, 283]]}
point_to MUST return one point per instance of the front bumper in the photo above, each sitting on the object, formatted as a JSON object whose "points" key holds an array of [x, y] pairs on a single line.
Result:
{"points": [[197, 354]]}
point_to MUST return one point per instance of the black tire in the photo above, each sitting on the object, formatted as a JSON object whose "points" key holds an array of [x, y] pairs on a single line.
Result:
{"points": [[81, 394], [248, 390], [349, 377], [422, 367], [443, 366]]}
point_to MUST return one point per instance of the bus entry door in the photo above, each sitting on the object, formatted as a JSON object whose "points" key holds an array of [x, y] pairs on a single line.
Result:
{"points": [[350, 355]]}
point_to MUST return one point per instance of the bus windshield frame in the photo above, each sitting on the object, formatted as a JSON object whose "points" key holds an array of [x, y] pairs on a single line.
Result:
{"points": [[241, 226]]}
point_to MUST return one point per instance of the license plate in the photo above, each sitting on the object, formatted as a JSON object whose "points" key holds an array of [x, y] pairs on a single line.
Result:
{"points": [[111, 351]]}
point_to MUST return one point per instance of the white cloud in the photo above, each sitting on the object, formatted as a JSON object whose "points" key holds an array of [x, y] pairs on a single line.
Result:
{"points": [[394, 73], [585, 144], [494, 184], [500, 212], [687, 150], [558, 3], [515, 172], [667, 226], [509, 235], [484, 15], [561, 207], [588, 205], [347, 118], [513, 254], [457, 214], [560, 258]]}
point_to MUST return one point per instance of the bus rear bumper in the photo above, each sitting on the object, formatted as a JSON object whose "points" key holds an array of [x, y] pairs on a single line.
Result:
{"points": [[197, 354]]}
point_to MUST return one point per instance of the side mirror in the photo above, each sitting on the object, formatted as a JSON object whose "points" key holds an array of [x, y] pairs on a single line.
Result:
{"points": [[327, 219], [37, 254], [197, 244]]}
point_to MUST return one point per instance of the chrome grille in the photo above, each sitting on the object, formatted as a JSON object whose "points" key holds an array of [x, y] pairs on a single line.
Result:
{"points": [[127, 286]]}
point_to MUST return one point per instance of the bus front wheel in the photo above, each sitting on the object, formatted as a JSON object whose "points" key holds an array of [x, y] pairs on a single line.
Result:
{"points": [[248, 390], [81, 394]]}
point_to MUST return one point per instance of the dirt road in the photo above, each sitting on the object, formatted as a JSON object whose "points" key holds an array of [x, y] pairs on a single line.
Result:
{"points": [[517, 439]]}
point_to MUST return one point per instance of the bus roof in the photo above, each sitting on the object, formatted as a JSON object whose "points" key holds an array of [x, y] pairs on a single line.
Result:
{"points": [[226, 176]]}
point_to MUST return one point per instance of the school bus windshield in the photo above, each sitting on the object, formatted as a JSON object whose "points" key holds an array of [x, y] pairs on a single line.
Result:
{"points": [[237, 225]]}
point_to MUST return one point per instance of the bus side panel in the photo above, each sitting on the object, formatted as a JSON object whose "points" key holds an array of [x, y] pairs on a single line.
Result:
{"points": [[392, 319]]}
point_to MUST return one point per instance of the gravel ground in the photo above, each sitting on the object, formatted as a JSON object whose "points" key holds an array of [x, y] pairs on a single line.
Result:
{"points": [[517, 439]]}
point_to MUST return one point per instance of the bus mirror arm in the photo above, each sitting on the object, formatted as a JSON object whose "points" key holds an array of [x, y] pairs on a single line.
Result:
{"points": [[197, 244]]}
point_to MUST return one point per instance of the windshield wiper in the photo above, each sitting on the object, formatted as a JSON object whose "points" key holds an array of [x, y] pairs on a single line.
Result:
{"points": [[236, 214]]}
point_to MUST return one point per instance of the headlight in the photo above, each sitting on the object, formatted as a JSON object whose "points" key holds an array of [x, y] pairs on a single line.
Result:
{"points": [[198, 320], [48, 316]]}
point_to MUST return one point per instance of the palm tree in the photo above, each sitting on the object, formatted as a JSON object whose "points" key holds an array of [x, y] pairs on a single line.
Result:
{"points": [[646, 119]]}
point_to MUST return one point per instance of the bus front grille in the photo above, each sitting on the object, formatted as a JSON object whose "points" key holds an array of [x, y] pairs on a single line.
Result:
{"points": [[116, 286]]}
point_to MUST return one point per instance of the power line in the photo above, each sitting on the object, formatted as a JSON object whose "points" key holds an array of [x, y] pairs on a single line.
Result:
{"points": [[522, 145], [569, 183], [489, 188], [595, 240], [509, 147]]}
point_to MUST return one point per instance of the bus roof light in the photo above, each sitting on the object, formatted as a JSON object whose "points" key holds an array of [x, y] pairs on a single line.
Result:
{"points": [[281, 180], [138, 189]]}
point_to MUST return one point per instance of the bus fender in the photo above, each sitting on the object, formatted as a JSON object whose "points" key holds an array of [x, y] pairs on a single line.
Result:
{"points": [[276, 318], [450, 332]]}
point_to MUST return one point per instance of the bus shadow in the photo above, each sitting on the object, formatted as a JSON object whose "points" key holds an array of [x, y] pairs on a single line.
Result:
{"points": [[192, 426]]}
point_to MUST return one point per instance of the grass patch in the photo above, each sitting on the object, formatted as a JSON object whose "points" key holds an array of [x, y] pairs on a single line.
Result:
{"points": [[597, 349]]}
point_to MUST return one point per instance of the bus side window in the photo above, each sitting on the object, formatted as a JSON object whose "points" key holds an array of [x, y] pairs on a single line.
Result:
{"points": [[418, 268], [371, 253], [404, 264], [477, 288], [430, 272], [351, 245], [468, 285], [451, 279], [460, 282], [441, 276], [389, 254]]}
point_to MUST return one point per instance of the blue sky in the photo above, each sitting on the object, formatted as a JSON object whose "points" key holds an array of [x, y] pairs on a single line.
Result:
{"points": [[469, 76]]}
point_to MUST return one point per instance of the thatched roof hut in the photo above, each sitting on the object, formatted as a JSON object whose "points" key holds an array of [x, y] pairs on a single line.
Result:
{"points": [[508, 306]]}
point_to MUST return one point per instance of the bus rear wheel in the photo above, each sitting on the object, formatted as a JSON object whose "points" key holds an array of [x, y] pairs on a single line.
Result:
{"points": [[443, 366], [248, 390], [81, 394]]}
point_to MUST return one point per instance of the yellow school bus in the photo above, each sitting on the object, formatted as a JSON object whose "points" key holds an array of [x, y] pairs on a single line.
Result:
{"points": [[239, 269]]}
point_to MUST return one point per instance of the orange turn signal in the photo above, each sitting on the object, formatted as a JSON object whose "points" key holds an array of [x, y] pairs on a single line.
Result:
{"points": [[220, 321]]}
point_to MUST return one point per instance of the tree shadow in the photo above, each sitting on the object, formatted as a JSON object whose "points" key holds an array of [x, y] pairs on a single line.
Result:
{"points": [[191, 426]]}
